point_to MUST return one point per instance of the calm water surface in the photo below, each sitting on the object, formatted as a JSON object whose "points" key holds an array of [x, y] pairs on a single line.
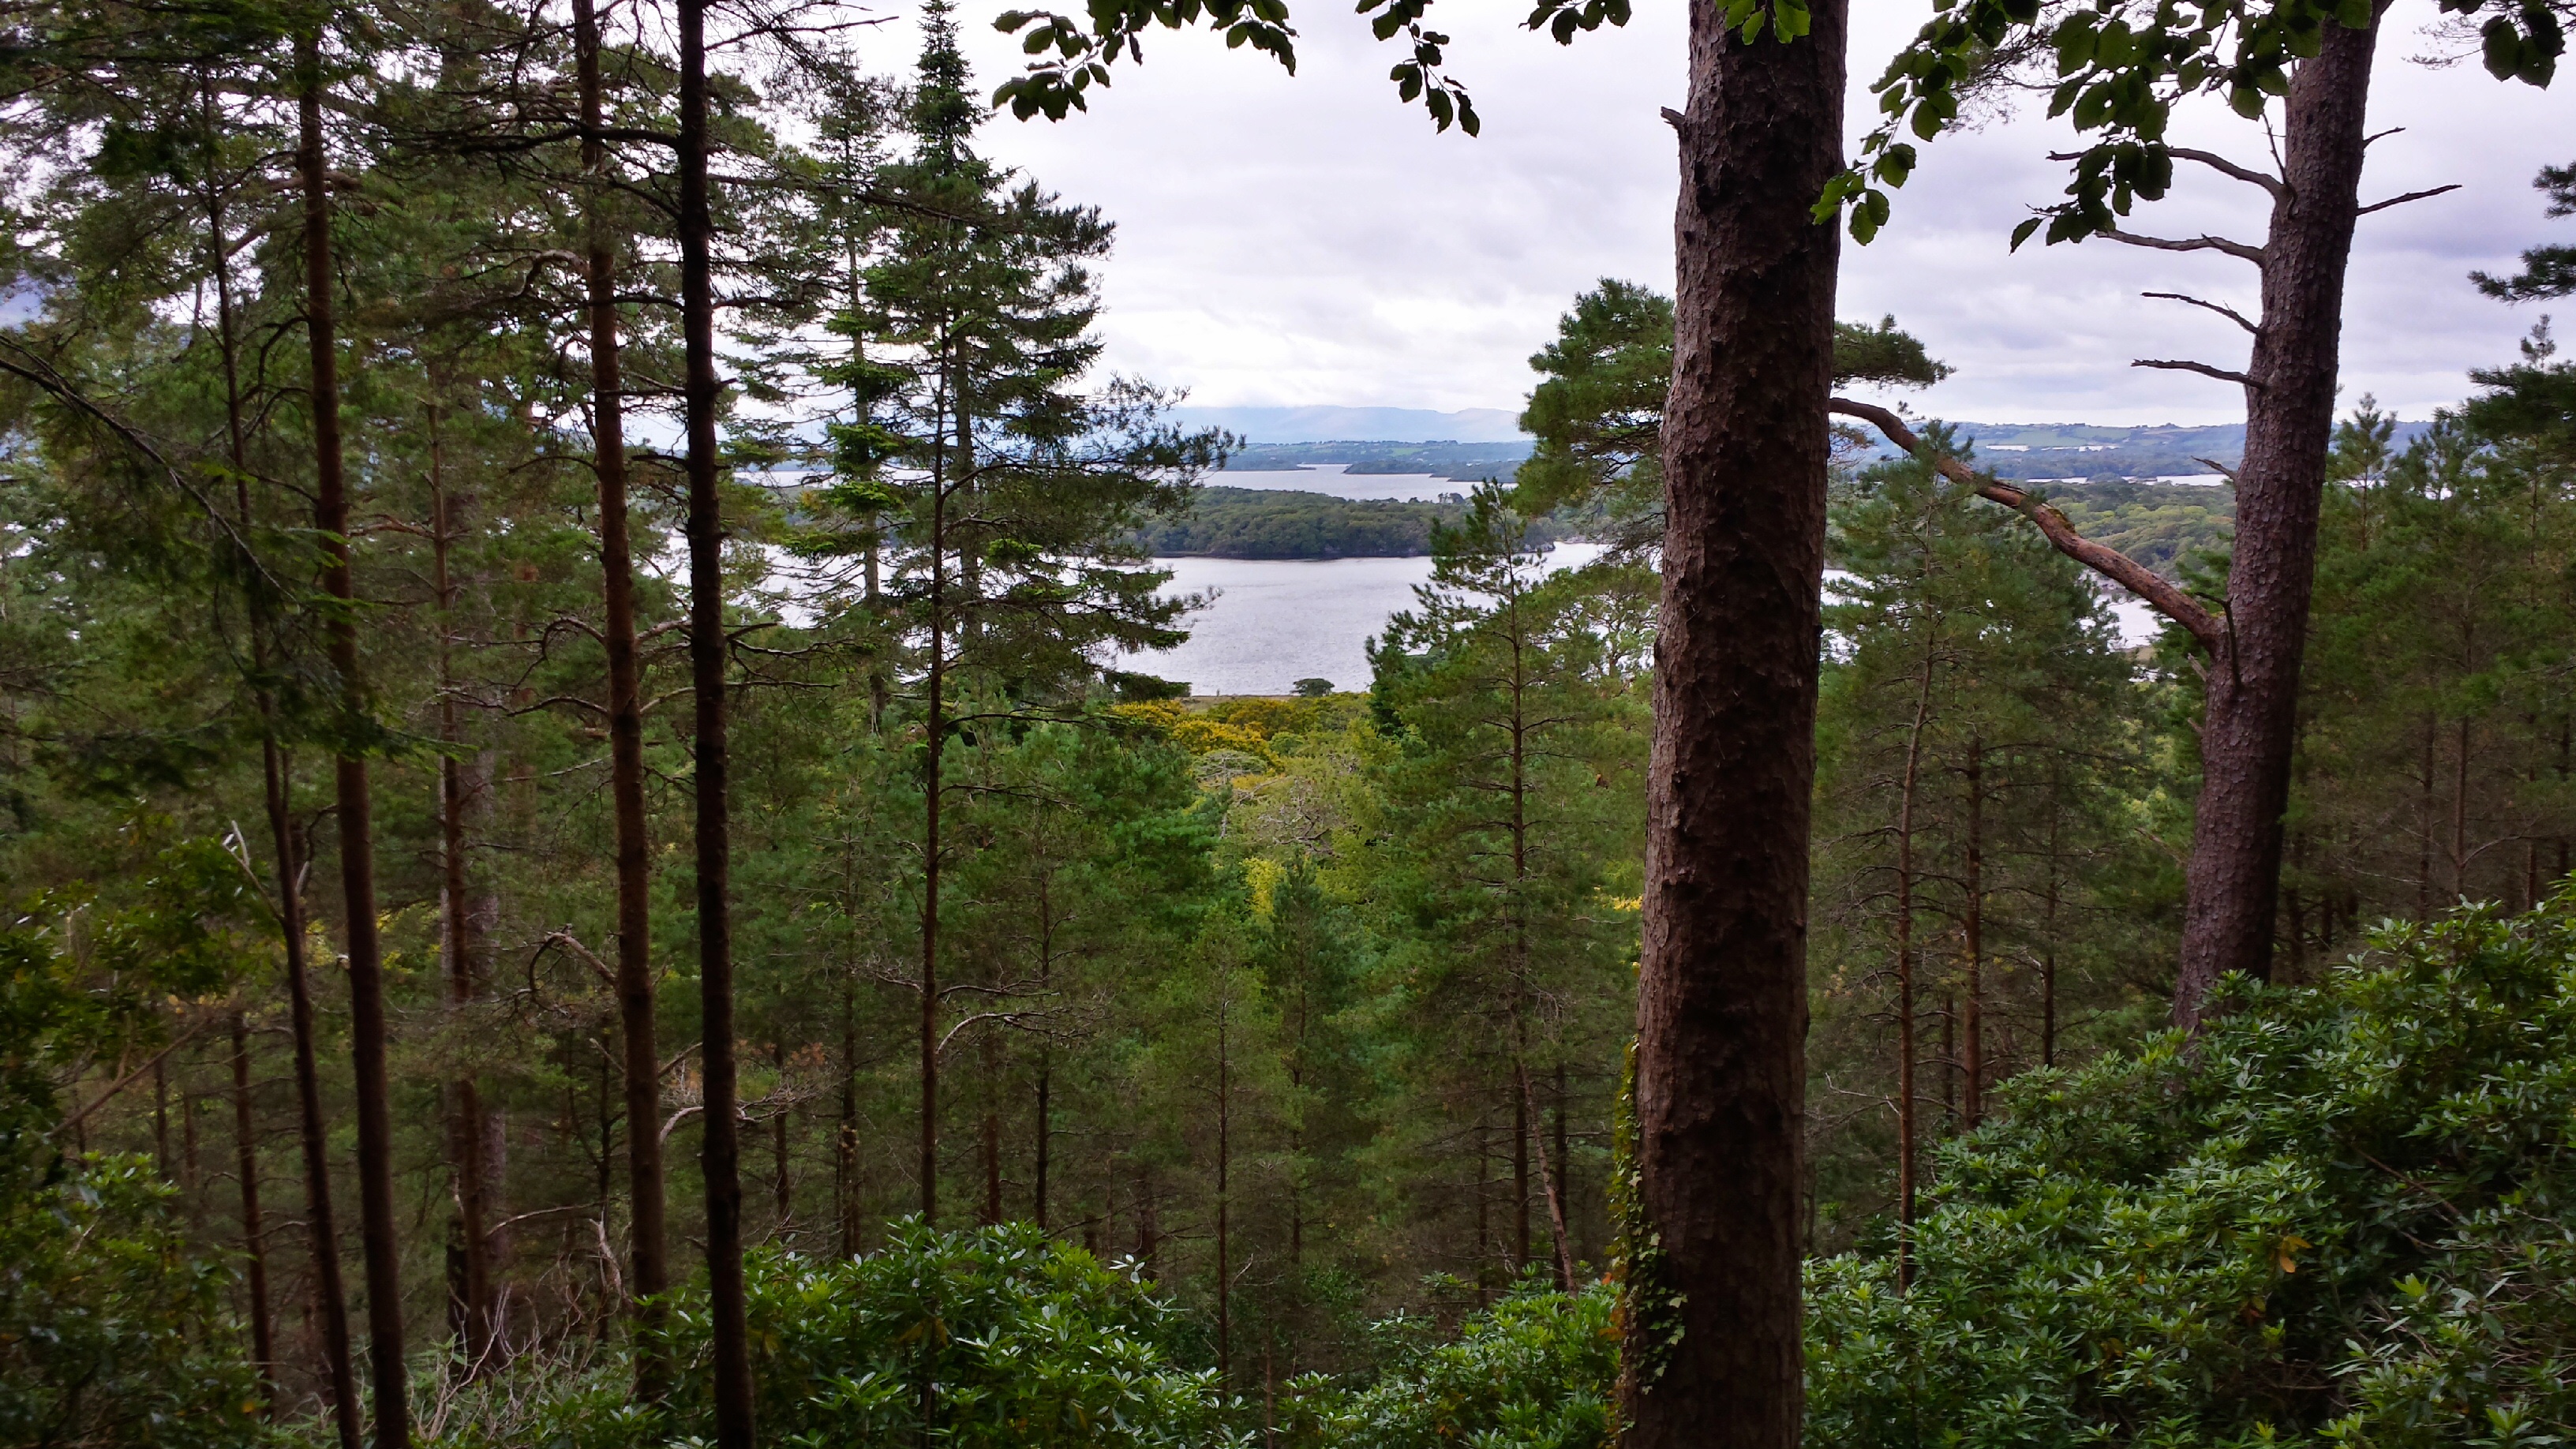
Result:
{"points": [[1272, 622]]}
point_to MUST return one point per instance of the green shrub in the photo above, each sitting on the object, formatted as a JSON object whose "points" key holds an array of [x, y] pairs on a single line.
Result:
{"points": [[2343, 1215], [1534, 1370], [1022, 1341], [111, 1331]]}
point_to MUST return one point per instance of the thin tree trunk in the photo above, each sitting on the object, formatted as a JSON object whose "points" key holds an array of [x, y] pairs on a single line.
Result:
{"points": [[934, 757], [1520, 1164], [720, 1153], [2251, 712], [648, 1276], [2460, 817], [992, 1062], [339, 1370], [1972, 1034], [2424, 828], [2048, 949], [784, 1201], [1548, 1182], [1564, 1174], [339, 1375], [465, 1125], [1905, 1051], [161, 1166], [1521, 1120], [1045, 1123], [383, 1257], [263, 1347], [1224, 1199], [845, 1183]]}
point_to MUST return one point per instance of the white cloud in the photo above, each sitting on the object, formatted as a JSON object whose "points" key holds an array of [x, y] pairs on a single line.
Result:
{"points": [[1308, 240]]}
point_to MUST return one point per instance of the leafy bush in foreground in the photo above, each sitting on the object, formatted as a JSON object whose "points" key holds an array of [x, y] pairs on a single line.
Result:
{"points": [[1019, 1339], [112, 1331], [1535, 1369], [2341, 1216]]}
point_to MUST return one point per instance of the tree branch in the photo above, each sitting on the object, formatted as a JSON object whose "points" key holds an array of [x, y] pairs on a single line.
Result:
{"points": [[2402, 200], [2203, 368], [2230, 313], [2252, 254], [2160, 594], [2225, 167]]}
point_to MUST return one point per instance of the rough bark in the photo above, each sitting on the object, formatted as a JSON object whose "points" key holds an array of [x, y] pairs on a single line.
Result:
{"points": [[355, 811], [720, 1156], [2251, 710], [649, 1273], [1722, 1008]]}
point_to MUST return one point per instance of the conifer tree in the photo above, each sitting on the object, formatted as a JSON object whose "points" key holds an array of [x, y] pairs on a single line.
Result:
{"points": [[1003, 495]]}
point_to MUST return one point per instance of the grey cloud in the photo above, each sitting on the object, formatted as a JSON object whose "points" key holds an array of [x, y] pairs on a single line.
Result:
{"points": [[1296, 241]]}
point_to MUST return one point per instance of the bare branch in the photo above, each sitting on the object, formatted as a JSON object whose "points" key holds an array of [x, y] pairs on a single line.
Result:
{"points": [[2203, 368], [2402, 200], [2215, 466], [2230, 313], [2239, 249], [2225, 167], [2160, 594]]}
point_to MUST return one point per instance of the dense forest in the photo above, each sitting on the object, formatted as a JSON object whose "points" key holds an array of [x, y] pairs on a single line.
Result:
{"points": [[578, 870]]}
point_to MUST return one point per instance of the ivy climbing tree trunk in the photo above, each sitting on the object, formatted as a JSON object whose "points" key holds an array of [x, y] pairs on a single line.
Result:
{"points": [[1721, 1010], [354, 809]]}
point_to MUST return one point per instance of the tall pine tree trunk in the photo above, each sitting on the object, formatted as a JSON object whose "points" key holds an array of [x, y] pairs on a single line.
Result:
{"points": [[339, 1375], [254, 1244], [474, 1313], [1722, 1008], [649, 1274], [355, 811], [2251, 711], [720, 1158]]}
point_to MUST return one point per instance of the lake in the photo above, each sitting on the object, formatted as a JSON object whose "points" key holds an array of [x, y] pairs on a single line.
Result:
{"points": [[1273, 622]]}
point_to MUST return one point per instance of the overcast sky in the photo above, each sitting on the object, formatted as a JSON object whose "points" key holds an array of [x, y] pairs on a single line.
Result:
{"points": [[1307, 240]]}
